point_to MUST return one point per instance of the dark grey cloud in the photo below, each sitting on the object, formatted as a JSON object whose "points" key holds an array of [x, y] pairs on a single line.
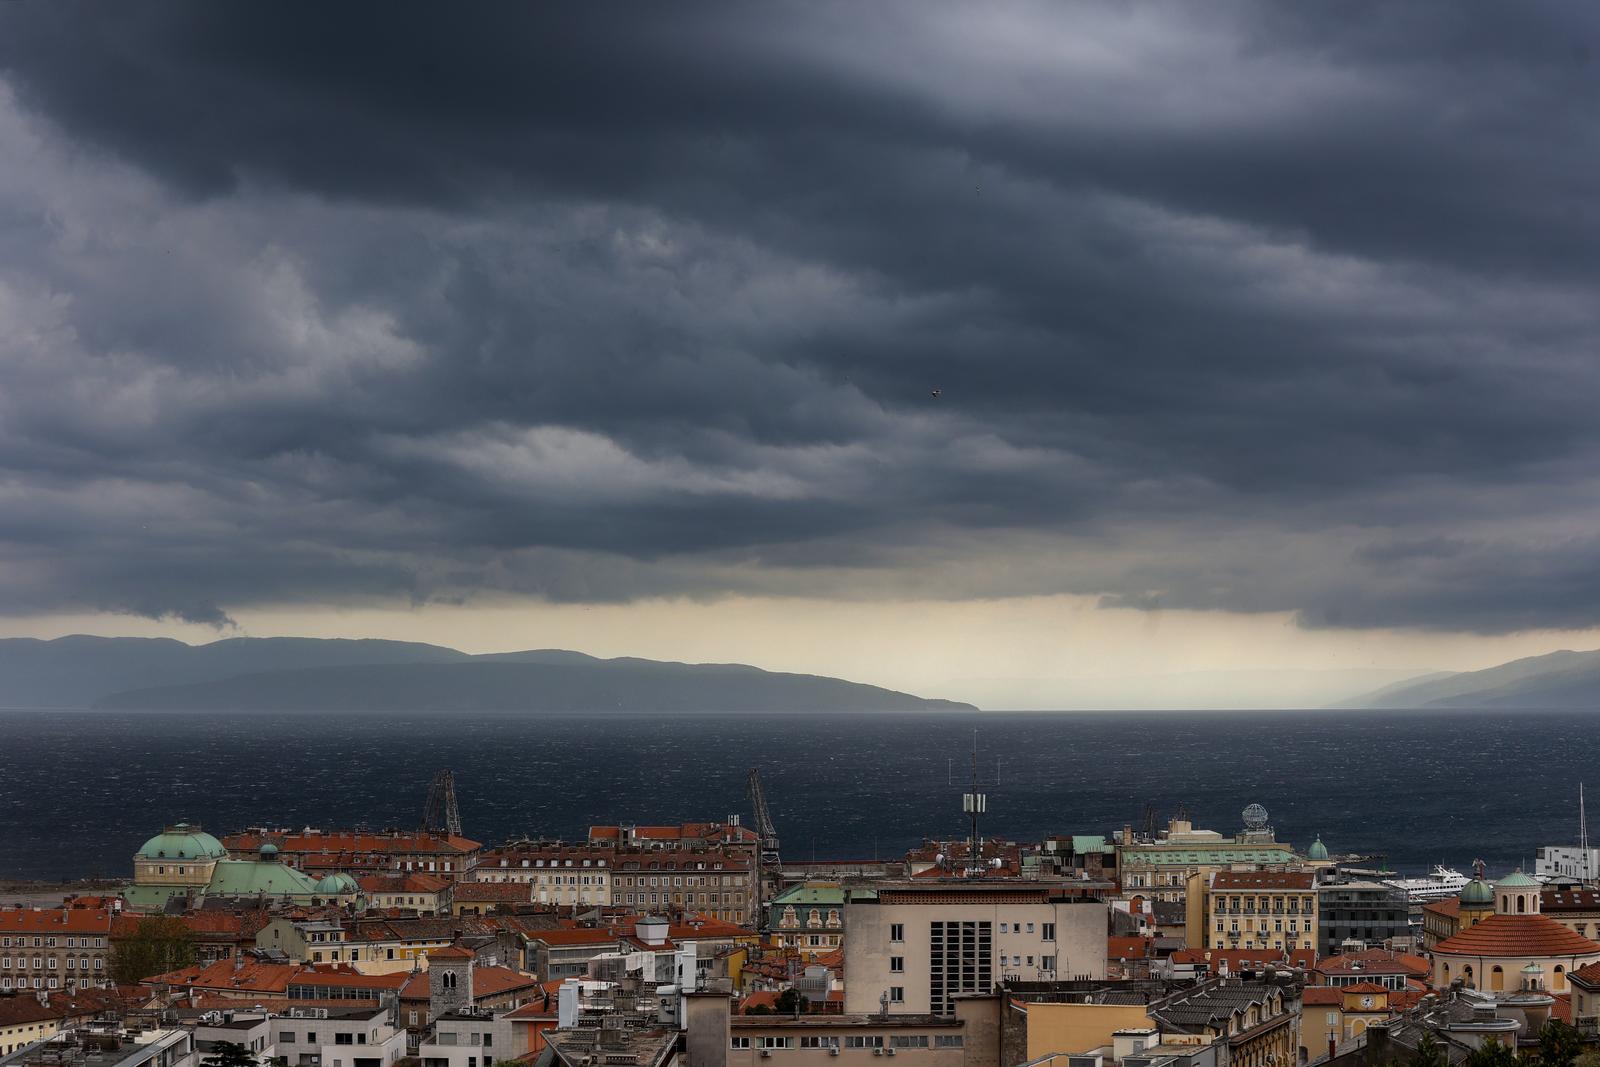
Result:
{"points": [[1260, 308]]}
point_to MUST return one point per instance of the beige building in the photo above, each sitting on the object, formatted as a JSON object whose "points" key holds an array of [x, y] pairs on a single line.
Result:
{"points": [[1162, 867], [918, 947], [556, 873], [426, 894], [969, 1036], [1253, 910]]}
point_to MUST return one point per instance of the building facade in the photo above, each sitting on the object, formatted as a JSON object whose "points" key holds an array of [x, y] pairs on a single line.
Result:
{"points": [[916, 948], [54, 948], [1254, 910], [1367, 913]]}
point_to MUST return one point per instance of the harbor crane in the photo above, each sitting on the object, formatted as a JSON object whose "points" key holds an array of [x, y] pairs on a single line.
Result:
{"points": [[768, 865]]}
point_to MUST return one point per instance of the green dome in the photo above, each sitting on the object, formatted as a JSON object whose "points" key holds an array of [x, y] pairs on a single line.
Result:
{"points": [[1317, 851], [268, 849], [182, 842], [249, 878], [1516, 880], [1477, 891], [334, 885]]}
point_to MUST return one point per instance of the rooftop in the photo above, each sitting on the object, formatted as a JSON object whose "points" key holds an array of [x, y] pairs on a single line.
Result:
{"points": [[1517, 936]]}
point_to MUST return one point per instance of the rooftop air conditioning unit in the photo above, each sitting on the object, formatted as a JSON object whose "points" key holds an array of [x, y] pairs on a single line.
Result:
{"points": [[877, 1052], [888, 1052], [833, 1050], [766, 1054]]}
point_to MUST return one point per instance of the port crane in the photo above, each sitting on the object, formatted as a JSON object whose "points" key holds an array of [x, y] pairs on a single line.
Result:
{"points": [[768, 865]]}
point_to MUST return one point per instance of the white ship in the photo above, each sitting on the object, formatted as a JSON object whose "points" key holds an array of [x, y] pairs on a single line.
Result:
{"points": [[1440, 883]]}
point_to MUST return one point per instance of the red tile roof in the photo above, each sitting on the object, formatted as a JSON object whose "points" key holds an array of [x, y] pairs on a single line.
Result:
{"points": [[401, 883], [1246, 959], [453, 952], [1516, 936], [1127, 948], [1561, 1010], [1321, 994], [252, 976], [1374, 961], [493, 981], [1238, 881], [1450, 906], [1569, 900], [1587, 976], [55, 920], [761, 998], [492, 892], [338, 976]]}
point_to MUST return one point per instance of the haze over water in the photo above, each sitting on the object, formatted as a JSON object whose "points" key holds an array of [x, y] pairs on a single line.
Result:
{"points": [[82, 790]]}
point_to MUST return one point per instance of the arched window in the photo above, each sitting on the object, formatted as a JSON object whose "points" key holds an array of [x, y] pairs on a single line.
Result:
{"points": [[1558, 980], [1522, 903], [1497, 978], [1445, 975], [1467, 976]]}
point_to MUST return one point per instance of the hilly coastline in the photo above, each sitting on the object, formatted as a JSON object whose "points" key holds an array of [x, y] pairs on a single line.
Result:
{"points": [[308, 674], [1558, 680]]}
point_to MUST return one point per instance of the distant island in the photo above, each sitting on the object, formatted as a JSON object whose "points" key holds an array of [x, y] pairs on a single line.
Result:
{"points": [[309, 674], [1557, 680]]}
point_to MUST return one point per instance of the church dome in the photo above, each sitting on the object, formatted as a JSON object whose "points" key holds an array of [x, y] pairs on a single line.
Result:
{"points": [[334, 885], [1317, 851], [268, 850], [1478, 892], [1516, 880], [182, 841]]}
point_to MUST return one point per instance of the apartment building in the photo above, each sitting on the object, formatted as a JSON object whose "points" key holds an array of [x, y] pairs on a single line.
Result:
{"points": [[1253, 910], [710, 882], [915, 948], [558, 874], [54, 948]]}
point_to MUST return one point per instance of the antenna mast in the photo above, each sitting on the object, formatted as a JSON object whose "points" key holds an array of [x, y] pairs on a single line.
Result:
{"points": [[441, 814], [1583, 834], [975, 804]]}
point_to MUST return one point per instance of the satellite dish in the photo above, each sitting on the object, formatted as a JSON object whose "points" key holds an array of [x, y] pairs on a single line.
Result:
{"points": [[1255, 817]]}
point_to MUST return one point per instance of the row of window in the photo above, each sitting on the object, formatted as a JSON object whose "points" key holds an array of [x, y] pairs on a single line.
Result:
{"points": [[41, 963], [556, 863], [820, 1041], [51, 942], [679, 881], [1047, 931], [6, 983], [1277, 926]]}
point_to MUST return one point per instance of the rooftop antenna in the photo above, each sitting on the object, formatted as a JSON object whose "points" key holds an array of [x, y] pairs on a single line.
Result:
{"points": [[441, 814], [975, 804]]}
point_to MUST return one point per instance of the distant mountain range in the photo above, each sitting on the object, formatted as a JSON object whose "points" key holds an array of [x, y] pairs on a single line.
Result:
{"points": [[310, 674], [1558, 680]]}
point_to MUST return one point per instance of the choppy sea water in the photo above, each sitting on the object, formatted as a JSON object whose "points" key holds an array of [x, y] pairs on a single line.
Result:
{"points": [[80, 791]]}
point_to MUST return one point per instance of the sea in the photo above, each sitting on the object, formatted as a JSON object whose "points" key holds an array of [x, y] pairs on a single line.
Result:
{"points": [[80, 791]]}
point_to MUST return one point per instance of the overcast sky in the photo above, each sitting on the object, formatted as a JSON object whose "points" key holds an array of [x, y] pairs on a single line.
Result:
{"points": [[939, 345]]}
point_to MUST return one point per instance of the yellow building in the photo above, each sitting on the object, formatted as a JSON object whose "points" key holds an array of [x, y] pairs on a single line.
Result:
{"points": [[1495, 952], [1333, 1015], [1254, 910]]}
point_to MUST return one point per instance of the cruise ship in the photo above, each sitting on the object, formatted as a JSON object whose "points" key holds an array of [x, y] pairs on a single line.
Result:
{"points": [[1440, 883]]}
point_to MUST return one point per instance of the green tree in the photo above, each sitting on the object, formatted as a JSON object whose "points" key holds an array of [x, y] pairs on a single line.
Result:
{"points": [[1492, 1054], [1428, 1053], [790, 1002], [228, 1054], [1559, 1044], [159, 944]]}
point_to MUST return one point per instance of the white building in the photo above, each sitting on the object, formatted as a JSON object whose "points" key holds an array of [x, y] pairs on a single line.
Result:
{"points": [[1567, 861]]}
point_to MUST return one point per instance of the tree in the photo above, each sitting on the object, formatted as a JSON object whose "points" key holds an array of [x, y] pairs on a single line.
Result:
{"points": [[1428, 1053], [790, 1002], [1492, 1054], [228, 1054], [159, 944], [1559, 1044]]}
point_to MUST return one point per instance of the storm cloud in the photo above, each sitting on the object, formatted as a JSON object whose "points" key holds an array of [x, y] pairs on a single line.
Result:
{"points": [[1254, 308]]}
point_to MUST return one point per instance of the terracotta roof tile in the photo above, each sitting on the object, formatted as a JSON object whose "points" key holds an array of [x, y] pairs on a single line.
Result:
{"points": [[1517, 936], [1231, 881]]}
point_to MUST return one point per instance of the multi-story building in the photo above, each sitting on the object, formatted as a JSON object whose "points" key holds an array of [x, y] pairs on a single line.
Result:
{"points": [[1162, 867], [1369, 913], [1568, 861], [710, 882], [559, 874], [1254, 1021], [809, 918], [426, 894], [360, 853], [914, 948], [1576, 909], [484, 898], [1253, 910], [54, 948], [352, 1037], [108, 1047]]}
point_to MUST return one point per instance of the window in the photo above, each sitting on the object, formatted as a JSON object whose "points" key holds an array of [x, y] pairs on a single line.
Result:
{"points": [[1047, 931], [948, 1041], [908, 1041], [738, 1042], [818, 1041], [897, 994], [774, 1042], [343, 1039], [897, 964], [286, 1038], [1047, 963], [1003, 927], [863, 1041], [897, 931]]}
